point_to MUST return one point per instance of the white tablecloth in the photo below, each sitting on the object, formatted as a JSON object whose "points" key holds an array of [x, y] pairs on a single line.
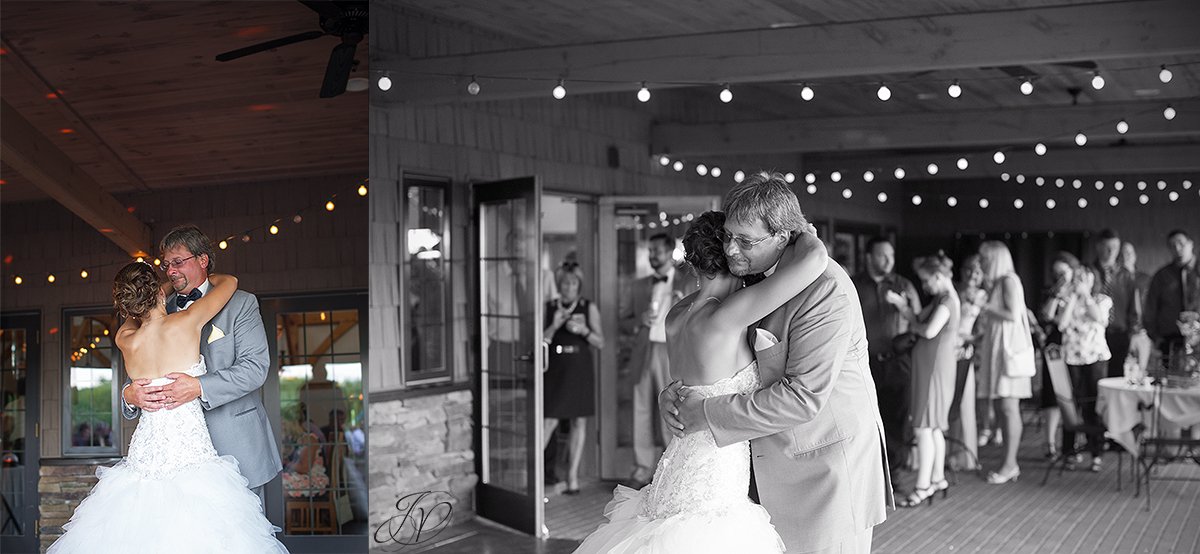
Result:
{"points": [[1117, 404]]}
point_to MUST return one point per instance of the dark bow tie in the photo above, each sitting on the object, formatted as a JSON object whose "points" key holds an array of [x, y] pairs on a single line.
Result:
{"points": [[660, 279], [181, 300], [753, 279]]}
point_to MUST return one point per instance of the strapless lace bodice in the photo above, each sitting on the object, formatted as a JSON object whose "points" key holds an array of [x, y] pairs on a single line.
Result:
{"points": [[169, 440], [695, 476]]}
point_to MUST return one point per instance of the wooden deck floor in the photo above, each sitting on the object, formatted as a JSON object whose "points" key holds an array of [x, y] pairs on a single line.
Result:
{"points": [[1077, 512]]}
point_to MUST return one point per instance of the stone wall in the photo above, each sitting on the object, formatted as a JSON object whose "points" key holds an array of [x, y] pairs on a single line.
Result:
{"points": [[422, 444], [61, 489]]}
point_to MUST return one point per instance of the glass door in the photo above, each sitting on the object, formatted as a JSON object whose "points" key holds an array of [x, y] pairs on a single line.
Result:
{"points": [[19, 431], [319, 345], [510, 354]]}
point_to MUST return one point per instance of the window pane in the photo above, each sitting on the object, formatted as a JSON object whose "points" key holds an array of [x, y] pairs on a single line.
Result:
{"points": [[91, 375], [13, 468], [425, 280], [324, 426]]}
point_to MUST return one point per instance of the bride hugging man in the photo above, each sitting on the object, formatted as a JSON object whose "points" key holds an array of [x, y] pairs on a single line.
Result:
{"points": [[779, 443]]}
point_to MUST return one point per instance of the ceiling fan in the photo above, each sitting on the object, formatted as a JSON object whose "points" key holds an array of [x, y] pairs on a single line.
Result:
{"points": [[345, 19]]}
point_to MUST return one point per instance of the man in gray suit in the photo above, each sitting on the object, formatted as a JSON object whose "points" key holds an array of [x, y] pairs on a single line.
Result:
{"points": [[816, 438], [234, 346]]}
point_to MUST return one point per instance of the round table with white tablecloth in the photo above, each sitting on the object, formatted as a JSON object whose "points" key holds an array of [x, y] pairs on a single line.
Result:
{"points": [[1118, 407]]}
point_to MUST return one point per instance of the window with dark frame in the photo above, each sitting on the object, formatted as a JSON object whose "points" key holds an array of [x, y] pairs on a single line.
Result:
{"points": [[90, 424], [425, 282]]}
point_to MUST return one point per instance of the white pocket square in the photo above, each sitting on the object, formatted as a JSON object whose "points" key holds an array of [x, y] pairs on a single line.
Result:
{"points": [[216, 335], [764, 340]]}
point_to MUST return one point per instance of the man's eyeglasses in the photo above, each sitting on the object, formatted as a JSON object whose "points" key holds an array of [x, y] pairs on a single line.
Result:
{"points": [[742, 243], [176, 262]]}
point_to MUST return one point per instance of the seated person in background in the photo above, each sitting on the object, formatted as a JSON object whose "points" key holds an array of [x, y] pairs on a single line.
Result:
{"points": [[304, 472]]}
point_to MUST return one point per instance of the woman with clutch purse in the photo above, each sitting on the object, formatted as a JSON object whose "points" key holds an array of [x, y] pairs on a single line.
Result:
{"points": [[1005, 351]]}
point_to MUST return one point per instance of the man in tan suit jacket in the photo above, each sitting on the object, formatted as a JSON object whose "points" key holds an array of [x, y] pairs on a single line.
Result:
{"points": [[815, 434]]}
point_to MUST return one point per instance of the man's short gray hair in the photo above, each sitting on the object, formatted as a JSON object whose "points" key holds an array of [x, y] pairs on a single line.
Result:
{"points": [[766, 197], [192, 238]]}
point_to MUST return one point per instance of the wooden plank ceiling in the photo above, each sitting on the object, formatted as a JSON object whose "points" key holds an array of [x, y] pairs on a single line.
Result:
{"points": [[130, 91], [766, 50]]}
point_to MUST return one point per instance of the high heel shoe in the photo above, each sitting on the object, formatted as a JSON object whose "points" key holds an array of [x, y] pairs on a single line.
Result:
{"points": [[943, 486], [996, 478], [918, 496]]}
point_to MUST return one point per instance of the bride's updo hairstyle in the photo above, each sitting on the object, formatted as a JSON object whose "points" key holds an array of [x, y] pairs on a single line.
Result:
{"points": [[937, 264], [702, 244], [135, 290]]}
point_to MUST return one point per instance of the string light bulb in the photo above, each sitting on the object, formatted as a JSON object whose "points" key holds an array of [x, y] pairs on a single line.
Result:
{"points": [[998, 157], [1018, 203], [50, 278], [812, 189], [1169, 113], [1082, 202], [954, 90], [884, 93], [473, 87], [274, 230], [1077, 184], [1119, 186], [1020, 179], [559, 91], [329, 206], [1039, 149], [983, 203], [1050, 203], [1080, 138], [847, 193], [1173, 196], [726, 95], [916, 200], [952, 201], [1026, 87], [715, 171], [868, 176], [882, 197], [643, 94], [810, 177], [932, 169], [836, 176], [1187, 184], [1122, 127], [246, 238], [223, 245], [362, 190], [789, 177], [1164, 74], [1040, 181], [1143, 199], [806, 93], [1005, 177], [1099, 185], [899, 173], [1097, 81], [664, 161], [962, 164], [677, 166], [385, 82], [1113, 201], [83, 274], [1162, 185], [297, 219], [701, 169], [739, 176], [1059, 182]]}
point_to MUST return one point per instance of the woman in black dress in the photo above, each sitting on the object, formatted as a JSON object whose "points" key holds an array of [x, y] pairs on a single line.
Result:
{"points": [[572, 330]]}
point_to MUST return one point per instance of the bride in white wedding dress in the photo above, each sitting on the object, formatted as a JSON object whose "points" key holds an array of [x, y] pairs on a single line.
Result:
{"points": [[697, 501], [173, 493]]}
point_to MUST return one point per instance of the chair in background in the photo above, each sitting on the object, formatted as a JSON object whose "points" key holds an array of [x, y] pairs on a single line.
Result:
{"points": [[319, 514], [1072, 419], [1164, 443]]}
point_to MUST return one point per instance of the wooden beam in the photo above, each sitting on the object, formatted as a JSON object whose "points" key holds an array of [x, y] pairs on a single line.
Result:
{"points": [[967, 128], [962, 40], [39, 160], [321, 349], [1062, 160]]}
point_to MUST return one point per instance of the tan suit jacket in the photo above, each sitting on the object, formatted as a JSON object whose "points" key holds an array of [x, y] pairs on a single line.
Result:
{"points": [[815, 433]]}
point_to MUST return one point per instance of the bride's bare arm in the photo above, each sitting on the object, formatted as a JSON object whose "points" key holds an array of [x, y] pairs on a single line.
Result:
{"points": [[204, 309], [802, 262]]}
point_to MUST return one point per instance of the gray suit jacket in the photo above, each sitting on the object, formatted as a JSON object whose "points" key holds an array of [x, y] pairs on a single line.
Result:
{"points": [[237, 364], [815, 433]]}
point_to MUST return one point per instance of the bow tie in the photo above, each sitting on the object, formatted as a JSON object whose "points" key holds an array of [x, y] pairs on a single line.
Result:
{"points": [[660, 279], [753, 279], [181, 300]]}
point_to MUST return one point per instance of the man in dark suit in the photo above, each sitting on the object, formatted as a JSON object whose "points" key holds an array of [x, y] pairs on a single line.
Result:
{"points": [[652, 297], [1119, 284]]}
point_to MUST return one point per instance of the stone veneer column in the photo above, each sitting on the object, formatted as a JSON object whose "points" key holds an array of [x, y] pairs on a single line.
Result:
{"points": [[62, 486]]}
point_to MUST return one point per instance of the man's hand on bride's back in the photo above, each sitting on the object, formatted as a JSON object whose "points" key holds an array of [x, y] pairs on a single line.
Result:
{"points": [[184, 389], [666, 407], [683, 414], [140, 394]]}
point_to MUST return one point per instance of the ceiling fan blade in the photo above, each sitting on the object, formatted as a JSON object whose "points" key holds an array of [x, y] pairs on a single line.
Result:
{"points": [[270, 44], [341, 61], [324, 9]]}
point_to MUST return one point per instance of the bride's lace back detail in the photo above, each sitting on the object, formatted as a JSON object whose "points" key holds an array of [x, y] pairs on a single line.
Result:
{"points": [[169, 440], [695, 476]]}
